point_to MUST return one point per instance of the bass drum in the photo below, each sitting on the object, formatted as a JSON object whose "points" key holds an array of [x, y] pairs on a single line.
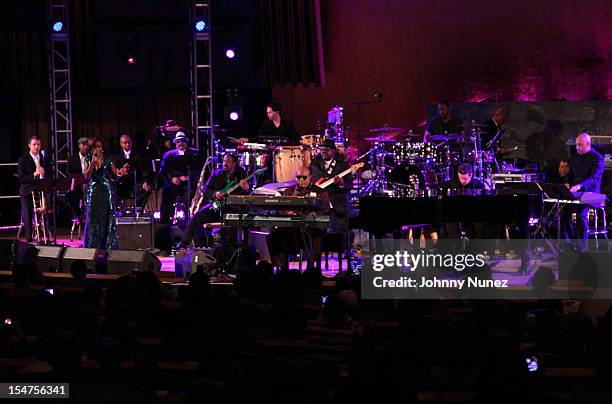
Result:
{"points": [[287, 159], [412, 179]]}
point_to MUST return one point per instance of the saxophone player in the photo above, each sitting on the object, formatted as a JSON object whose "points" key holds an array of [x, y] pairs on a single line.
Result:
{"points": [[32, 167]]}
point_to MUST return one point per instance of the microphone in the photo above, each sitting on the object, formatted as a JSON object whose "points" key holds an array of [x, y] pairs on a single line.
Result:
{"points": [[379, 96]]}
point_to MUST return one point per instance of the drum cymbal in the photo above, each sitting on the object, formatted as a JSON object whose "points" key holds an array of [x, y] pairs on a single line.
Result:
{"points": [[380, 139], [410, 135], [385, 129], [452, 137]]}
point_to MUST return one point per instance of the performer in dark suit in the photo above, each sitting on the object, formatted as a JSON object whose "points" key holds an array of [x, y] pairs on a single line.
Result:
{"points": [[125, 184], [178, 167], [31, 168], [231, 173], [77, 164], [327, 166], [493, 127], [586, 172]]}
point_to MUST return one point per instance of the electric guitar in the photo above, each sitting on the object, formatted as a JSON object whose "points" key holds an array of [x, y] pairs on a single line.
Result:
{"points": [[324, 183], [231, 187]]}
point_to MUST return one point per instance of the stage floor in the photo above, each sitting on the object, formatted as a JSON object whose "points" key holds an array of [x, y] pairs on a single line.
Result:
{"points": [[63, 238]]}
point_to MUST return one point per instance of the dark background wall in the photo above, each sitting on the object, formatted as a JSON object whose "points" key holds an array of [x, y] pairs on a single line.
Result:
{"points": [[419, 51]]}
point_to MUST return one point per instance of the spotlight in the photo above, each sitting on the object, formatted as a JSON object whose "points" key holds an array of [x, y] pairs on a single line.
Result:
{"points": [[234, 115], [132, 60], [230, 53], [200, 25], [57, 26]]}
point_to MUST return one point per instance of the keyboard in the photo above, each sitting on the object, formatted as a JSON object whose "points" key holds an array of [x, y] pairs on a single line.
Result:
{"points": [[276, 202], [258, 220]]}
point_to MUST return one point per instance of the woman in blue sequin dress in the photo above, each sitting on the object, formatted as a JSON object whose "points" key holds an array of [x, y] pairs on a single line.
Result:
{"points": [[100, 227]]}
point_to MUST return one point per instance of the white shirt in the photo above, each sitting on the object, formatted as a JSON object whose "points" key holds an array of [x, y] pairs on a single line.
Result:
{"points": [[180, 152], [83, 163], [127, 154], [36, 159]]}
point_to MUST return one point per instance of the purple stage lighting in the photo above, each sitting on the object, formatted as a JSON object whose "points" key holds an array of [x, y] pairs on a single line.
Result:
{"points": [[230, 53], [234, 115], [132, 60]]}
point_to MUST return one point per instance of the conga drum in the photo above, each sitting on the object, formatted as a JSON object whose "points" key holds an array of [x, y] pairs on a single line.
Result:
{"points": [[287, 159]]}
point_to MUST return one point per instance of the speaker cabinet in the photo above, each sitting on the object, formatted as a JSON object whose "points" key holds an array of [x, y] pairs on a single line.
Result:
{"points": [[49, 258], [122, 262], [88, 255], [135, 235]]}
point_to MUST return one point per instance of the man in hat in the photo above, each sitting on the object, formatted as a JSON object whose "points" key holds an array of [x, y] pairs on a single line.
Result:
{"points": [[329, 165], [180, 169], [77, 165]]}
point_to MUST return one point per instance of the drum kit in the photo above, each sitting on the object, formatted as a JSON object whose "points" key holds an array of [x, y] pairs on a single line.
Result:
{"points": [[402, 165]]}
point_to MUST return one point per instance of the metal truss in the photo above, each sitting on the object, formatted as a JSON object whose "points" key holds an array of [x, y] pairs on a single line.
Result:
{"points": [[201, 78], [60, 90]]}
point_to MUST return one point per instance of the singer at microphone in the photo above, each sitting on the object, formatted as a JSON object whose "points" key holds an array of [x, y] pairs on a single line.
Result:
{"points": [[30, 169]]}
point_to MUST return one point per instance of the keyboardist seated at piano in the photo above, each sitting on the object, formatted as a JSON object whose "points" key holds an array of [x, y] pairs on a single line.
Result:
{"points": [[585, 175], [463, 183], [214, 191], [282, 240]]}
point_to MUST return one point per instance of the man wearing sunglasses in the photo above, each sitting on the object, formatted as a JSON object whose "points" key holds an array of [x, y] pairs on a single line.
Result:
{"points": [[282, 240]]}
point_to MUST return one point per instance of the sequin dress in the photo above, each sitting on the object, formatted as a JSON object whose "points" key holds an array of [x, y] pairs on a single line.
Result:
{"points": [[100, 227]]}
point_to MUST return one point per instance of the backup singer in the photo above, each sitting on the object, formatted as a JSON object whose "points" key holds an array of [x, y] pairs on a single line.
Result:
{"points": [[327, 166], [31, 168], [77, 164], [213, 191], [586, 172], [281, 241], [100, 226], [125, 184], [178, 168]]}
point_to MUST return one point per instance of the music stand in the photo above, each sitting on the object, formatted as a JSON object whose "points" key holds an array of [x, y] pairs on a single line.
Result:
{"points": [[144, 165]]}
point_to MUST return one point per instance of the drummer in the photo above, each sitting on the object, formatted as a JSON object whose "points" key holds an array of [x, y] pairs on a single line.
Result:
{"points": [[444, 124], [275, 129]]}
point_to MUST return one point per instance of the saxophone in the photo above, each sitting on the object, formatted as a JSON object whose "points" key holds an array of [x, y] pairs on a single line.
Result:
{"points": [[198, 197]]}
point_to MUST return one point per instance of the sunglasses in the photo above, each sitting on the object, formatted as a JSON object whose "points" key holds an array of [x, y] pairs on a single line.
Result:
{"points": [[301, 177]]}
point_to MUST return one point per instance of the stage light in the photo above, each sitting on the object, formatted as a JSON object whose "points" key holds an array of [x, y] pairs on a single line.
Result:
{"points": [[234, 115], [132, 60], [230, 53], [200, 25], [57, 26]]}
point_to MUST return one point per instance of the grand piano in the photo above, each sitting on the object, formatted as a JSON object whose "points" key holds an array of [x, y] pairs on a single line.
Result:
{"points": [[384, 214]]}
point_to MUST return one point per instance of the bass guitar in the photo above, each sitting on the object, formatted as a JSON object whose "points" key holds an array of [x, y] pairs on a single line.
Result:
{"points": [[231, 187], [324, 183]]}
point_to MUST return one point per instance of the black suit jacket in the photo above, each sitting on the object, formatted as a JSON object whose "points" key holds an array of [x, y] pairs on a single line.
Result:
{"points": [[128, 180], [173, 165], [25, 172], [317, 169]]}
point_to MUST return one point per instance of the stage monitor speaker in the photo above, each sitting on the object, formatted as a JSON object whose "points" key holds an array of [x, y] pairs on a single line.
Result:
{"points": [[135, 235], [123, 262], [50, 258], [89, 255]]}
